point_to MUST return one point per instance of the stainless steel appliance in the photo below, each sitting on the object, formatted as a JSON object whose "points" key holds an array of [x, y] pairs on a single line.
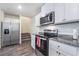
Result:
{"points": [[48, 19], [51, 33], [10, 32], [41, 45]]}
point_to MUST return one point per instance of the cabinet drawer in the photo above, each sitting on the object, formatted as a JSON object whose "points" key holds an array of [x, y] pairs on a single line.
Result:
{"points": [[78, 51], [64, 54], [52, 52], [54, 44], [68, 49], [71, 50]]}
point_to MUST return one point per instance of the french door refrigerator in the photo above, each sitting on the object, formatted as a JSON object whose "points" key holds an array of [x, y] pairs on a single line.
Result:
{"points": [[10, 32]]}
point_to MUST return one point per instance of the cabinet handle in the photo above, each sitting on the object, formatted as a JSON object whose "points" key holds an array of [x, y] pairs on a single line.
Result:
{"points": [[64, 19], [58, 46], [57, 51]]}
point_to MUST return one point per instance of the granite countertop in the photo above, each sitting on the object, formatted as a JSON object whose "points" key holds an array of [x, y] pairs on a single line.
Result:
{"points": [[66, 39]]}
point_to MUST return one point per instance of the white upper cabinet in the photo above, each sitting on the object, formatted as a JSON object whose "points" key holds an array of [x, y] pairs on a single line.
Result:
{"points": [[66, 12], [37, 19], [63, 11], [47, 8], [71, 11], [59, 12]]}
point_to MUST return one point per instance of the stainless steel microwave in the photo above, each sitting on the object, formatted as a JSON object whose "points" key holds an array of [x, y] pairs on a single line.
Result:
{"points": [[48, 19]]}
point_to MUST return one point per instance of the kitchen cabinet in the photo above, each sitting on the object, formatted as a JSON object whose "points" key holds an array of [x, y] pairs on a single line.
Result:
{"points": [[47, 8], [61, 53], [52, 52], [59, 12], [54, 44], [37, 19], [78, 51], [64, 12], [34, 30], [53, 48], [35, 23], [61, 49], [33, 41], [71, 50], [71, 11]]}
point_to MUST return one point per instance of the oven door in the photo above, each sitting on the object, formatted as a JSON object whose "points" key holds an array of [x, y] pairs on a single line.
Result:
{"points": [[44, 46]]}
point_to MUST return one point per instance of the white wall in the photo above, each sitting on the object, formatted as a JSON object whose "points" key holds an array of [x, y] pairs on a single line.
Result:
{"points": [[25, 24]]}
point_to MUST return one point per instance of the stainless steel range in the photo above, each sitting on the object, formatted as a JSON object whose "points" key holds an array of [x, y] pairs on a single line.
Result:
{"points": [[42, 41], [41, 45]]}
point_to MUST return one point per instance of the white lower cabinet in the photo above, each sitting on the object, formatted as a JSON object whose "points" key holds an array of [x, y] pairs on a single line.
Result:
{"points": [[52, 52], [78, 51], [71, 50], [61, 53], [33, 41], [60, 49]]}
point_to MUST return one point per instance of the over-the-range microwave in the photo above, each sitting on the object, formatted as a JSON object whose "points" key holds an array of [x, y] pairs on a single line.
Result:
{"points": [[49, 18]]}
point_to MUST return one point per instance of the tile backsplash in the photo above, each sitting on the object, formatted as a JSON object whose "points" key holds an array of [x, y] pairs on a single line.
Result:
{"points": [[63, 28]]}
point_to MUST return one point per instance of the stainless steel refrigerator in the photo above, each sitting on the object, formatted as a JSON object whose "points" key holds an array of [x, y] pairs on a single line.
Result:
{"points": [[10, 32]]}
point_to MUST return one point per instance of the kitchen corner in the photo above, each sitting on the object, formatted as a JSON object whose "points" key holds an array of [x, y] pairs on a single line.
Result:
{"points": [[66, 43]]}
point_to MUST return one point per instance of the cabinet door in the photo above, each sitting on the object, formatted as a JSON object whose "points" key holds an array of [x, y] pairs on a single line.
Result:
{"points": [[55, 45], [61, 53], [47, 8], [52, 52], [71, 11], [34, 28], [78, 51], [33, 41], [59, 12], [71, 50], [53, 48], [37, 19], [62, 49]]}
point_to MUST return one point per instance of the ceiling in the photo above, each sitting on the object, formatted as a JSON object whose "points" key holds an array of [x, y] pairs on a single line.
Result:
{"points": [[28, 9]]}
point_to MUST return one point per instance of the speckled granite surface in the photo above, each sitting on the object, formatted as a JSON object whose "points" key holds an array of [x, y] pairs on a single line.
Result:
{"points": [[66, 39]]}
